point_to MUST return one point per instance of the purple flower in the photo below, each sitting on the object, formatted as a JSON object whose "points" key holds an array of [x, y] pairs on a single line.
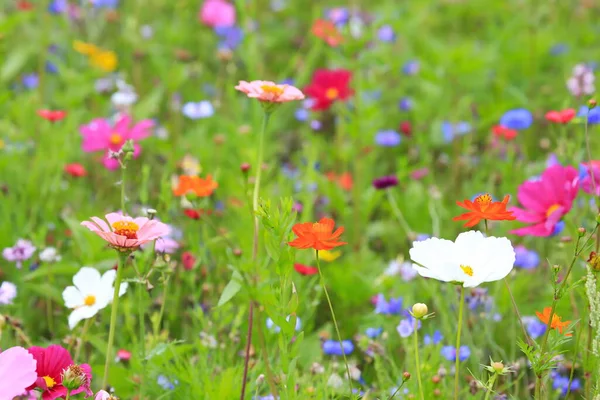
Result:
{"points": [[449, 353], [535, 328], [411, 68], [31, 81], [407, 272], [433, 339], [21, 251], [589, 179], [166, 245], [388, 138], [393, 307], [8, 291], [105, 3], [451, 130], [338, 15], [166, 383], [231, 36], [373, 332], [315, 124], [593, 115], [526, 259], [385, 182], [302, 114], [406, 104], [518, 119], [58, 6], [386, 34], [406, 328], [333, 348]]}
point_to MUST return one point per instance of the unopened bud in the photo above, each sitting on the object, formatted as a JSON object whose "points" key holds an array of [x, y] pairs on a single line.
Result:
{"points": [[151, 212], [437, 392], [498, 367], [419, 310], [245, 167], [74, 377], [128, 147], [592, 103], [436, 379], [406, 376], [260, 379], [581, 231], [237, 252]]}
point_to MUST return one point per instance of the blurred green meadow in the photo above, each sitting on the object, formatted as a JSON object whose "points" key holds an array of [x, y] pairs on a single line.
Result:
{"points": [[439, 74]]}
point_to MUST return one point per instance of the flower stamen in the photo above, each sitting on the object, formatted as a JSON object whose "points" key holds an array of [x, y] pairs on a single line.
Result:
{"points": [[116, 139], [332, 94], [50, 383], [467, 270], [89, 300], [552, 208], [126, 228], [274, 90], [483, 201]]}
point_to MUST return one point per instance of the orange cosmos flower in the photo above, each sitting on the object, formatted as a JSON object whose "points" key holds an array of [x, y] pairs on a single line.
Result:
{"points": [[317, 235], [556, 320], [195, 185], [327, 31], [484, 208]]}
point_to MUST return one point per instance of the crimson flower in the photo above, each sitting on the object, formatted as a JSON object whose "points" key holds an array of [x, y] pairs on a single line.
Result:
{"points": [[305, 269], [52, 116], [75, 170], [561, 117], [329, 86], [406, 128], [505, 133]]}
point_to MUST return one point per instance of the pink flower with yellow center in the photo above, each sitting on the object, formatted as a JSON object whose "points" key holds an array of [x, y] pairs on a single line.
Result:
{"points": [[270, 92], [125, 233], [546, 200], [102, 135]]}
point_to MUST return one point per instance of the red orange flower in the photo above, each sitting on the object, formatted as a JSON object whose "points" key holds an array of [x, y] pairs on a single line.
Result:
{"points": [[327, 31], [305, 269], [329, 86], [504, 133], [52, 116], [557, 323], [344, 180], [484, 208], [195, 185], [75, 169], [561, 117], [317, 235]]}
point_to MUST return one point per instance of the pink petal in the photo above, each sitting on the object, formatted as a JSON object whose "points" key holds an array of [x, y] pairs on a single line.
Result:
{"points": [[141, 130], [539, 230]]}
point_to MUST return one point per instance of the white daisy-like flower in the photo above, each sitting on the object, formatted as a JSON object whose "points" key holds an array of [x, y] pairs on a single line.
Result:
{"points": [[50, 254], [92, 292], [470, 260]]}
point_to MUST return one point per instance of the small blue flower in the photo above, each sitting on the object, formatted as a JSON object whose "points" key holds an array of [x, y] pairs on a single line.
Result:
{"points": [[58, 6], [386, 34], [558, 228], [393, 307], [231, 36], [339, 15], [525, 258], [406, 328], [406, 104], [198, 110], [434, 339], [333, 348], [552, 160], [165, 383], [315, 124], [51, 68], [411, 68], [301, 114], [373, 332], [535, 328], [558, 49], [451, 130], [272, 327], [593, 114], [518, 119], [449, 353], [388, 138], [30, 81], [422, 236], [105, 3]]}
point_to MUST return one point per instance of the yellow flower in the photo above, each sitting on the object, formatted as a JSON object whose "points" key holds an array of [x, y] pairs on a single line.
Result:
{"points": [[329, 256], [106, 60], [87, 49], [2, 144]]}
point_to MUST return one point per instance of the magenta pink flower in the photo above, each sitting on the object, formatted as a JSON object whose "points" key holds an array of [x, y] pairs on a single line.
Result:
{"points": [[101, 135], [590, 178], [17, 372], [217, 13], [270, 91], [125, 233], [546, 200]]}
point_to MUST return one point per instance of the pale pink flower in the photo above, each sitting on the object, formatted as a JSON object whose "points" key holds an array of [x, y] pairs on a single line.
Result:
{"points": [[17, 372], [217, 13], [103, 395], [102, 135], [270, 92], [125, 233]]}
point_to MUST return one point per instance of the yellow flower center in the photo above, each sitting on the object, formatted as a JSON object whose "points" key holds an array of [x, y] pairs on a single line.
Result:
{"points": [[467, 270], [89, 300], [272, 89], [126, 228], [50, 383], [115, 138], [332, 93], [552, 208], [483, 201]]}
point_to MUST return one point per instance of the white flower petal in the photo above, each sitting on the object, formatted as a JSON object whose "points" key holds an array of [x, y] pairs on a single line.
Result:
{"points": [[80, 314], [72, 297], [434, 257], [87, 280]]}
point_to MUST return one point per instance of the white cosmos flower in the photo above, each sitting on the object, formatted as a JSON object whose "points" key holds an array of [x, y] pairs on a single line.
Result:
{"points": [[471, 260], [91, 293]]}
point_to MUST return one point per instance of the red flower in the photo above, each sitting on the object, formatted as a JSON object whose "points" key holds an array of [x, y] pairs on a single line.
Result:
{"points": [[305, 269], [52, 116], [504, 133], [561, 117], [344, 180], [75, 169], [196, 214], [328, 86], [51, 362], [327, 31], [406, 128], [123, 355], [188, 260], [317, 235], [24, 5]]}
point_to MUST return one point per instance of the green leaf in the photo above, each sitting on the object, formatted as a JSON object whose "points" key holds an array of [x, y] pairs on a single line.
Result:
{"points": [[14, 64], [234, 286]]}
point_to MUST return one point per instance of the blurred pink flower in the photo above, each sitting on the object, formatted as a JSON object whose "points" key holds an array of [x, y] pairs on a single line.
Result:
{"points": [[17, 372], [270, 91], [217, 13], [125, 233], [103, 395], [590, 178], [547, 199], [101, 135]]}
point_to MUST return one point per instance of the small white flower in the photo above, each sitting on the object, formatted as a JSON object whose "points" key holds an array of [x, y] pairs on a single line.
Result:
{"points": [[125, 96], [8, 291], [201, 109], [471, 260], [355, 373], [335, 381], [50, 254], [90, 294]]}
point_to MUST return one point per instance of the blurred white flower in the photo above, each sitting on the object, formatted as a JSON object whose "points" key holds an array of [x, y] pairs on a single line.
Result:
{"points": [[8, 292], [124, 97], [581, 81], [146, 31], [198, 110], [50, 254], [335, 381]]}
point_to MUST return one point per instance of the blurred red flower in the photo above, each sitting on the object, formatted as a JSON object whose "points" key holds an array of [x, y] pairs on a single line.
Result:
{"points": [[561, 117], [329, 86], [305, 269], [52, 116], [75, 169], [406, 128], [503, 132], [327, 31], [188, 260]]}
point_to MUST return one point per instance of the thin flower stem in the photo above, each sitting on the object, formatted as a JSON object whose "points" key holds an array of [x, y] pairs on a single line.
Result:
{"points": [[113, 315], [398, 213], [68, 394], [142, 333], [490, 387], [248, 345], [123, 177], [457, 361], [82, 337], [397, 390], [162, 306], [574, 360], [335, 324], [418, 366]]}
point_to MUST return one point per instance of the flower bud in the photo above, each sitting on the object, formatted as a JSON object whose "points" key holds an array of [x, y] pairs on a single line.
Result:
{"points": [[128, 147], [405, 376], [245, 167], [419, 310], [151, 212], [260, 379], [74, 377], [581, 231], [498, 367], [592, 103]]}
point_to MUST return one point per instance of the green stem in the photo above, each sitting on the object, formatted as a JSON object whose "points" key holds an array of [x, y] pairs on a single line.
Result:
{"points": [[142, 328], [490, 387], [573, 361], [335, 324], [123, 176], [86, 327], [113, 315], [418, 366], [68, 394], [398, 213], [457, 361]]}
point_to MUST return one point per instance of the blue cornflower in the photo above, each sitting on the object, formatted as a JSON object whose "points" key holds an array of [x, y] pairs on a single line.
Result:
{"points": [[411, 67], [105, 3], [406, 327], [406, 104], [449, 353], [271, 325], [315, 124], [525, 258], [373, 332], [51, 68], [386, 34], [198, 110], [593, 114], [422, 236], [518, 119], [535, 328], [434, 339], [31, 81], [561, 383], [58, 6], [165, 383], [393, 307], [333, 348], [559, 49], [231, 36], [339, 15], [302, 114], [451, 130], [558, 228], [388, 138]]}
